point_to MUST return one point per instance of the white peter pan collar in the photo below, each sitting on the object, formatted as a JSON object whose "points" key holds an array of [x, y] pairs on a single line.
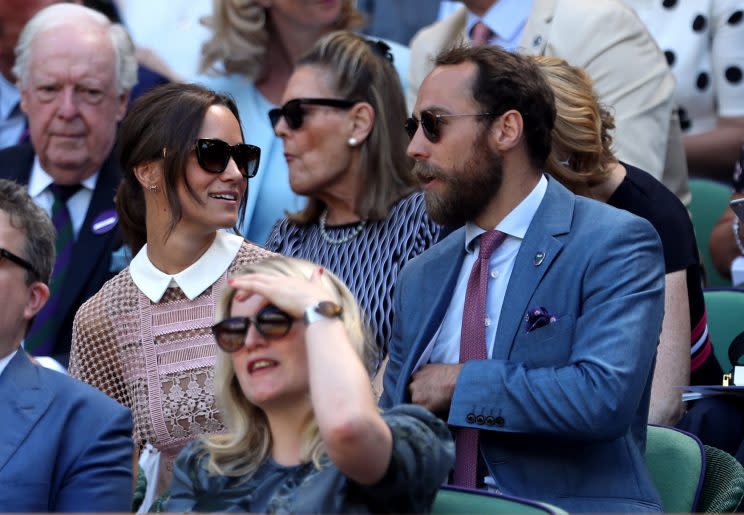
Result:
{"points": [[194, 279]]}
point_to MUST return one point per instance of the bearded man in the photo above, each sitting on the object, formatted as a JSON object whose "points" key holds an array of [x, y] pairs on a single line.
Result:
{"points": [[537, 338]]}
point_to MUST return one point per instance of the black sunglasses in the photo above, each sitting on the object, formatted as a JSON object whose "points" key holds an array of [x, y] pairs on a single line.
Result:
{"points": [[18, 261], [431, 123], [270, 322], [294, 114], [214, 154]]}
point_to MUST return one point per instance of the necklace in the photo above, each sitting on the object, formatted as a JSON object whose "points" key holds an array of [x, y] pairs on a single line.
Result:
{"points": [[338, 241]]}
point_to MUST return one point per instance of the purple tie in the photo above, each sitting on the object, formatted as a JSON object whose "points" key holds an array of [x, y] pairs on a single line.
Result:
{"points": [[473, 346], [41, 337], [480, 34]]}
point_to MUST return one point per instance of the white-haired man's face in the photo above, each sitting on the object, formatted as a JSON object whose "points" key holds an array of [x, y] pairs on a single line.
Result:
{"points": [[71, 100]]}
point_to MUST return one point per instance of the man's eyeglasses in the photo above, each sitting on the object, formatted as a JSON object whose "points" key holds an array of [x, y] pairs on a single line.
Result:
{"points": [[214, 154], [6, 254], [431, 123], [270, 322], [294, 114]]}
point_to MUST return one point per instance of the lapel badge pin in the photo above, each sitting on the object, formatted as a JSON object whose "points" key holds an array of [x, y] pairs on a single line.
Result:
{"points": [[539, 258], [104, 222], [537, 41]]}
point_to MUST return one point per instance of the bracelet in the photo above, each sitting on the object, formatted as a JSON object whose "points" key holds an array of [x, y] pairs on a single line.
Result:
{"points": [[737, 239]]}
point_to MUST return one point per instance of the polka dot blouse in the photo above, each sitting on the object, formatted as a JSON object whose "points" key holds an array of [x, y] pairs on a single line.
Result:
{"points": [[703, 41]]}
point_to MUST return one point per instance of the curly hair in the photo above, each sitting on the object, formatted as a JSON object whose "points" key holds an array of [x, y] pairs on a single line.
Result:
{"points": [[582, 140], [240, 36]]}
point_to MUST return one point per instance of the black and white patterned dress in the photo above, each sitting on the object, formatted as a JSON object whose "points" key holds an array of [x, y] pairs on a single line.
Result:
{"points": [[702, 41], [368, 263]]}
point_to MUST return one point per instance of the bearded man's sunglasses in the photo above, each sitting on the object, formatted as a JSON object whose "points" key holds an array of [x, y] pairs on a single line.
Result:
{"points": [[431, 123]]}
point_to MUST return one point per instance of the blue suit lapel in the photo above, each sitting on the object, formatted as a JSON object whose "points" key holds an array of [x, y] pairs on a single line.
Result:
{"points": [[25, 401], [539, 249], [435, 283]]}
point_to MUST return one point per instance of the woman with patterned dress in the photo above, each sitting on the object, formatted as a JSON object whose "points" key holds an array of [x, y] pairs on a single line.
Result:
{"points": [[345, 145], [144, 338], [702, 42], [300, 439]]}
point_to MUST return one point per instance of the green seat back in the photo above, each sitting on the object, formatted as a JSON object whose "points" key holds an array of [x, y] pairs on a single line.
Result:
{"points": [[725, 320], [675, 460], [723, 486], [449, 500], [709, 200]]}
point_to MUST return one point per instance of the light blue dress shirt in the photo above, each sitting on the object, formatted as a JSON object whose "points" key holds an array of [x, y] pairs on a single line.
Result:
{"points": [[506, 18], [446, 341], [12, 120]]}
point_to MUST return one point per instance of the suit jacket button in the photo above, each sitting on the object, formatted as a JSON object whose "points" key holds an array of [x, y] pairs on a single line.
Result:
{"points": [[499, 421], [480, 419], [490, 421], [470, 418]]}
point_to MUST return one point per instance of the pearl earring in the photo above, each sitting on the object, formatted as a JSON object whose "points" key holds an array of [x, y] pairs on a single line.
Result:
{"points": [[353, 142]]}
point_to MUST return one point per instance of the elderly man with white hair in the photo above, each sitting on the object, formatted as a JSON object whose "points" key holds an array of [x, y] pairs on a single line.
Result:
{"points": [[74, 70]]}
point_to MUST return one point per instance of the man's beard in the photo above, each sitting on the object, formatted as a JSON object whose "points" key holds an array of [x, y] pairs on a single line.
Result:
{"points": [[466, 191]]}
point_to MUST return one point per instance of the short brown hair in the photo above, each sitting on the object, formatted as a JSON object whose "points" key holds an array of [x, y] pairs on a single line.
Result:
{"points": [[167, 117], [581, 137], [34, 223], [505, 81]]}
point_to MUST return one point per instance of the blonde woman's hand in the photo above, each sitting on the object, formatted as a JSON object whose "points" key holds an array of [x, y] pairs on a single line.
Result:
{"points": [[293, 295]]}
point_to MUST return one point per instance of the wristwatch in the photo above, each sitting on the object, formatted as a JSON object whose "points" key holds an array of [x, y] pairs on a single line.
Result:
{"points": [[322, 310]]}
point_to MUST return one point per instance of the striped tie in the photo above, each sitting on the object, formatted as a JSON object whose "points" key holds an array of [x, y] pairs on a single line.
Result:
{"points": [[42, 338]]}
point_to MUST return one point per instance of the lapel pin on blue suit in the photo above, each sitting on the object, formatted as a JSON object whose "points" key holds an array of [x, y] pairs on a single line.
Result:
{"points": [[104, 222], [539, 258], [536, 42]]}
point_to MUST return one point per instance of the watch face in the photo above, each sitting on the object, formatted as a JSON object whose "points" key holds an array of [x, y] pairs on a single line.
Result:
{"points": [[328, 309]]}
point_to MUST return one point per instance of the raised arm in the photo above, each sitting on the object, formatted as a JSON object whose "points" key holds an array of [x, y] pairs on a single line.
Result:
{"points": [[357, 438]]}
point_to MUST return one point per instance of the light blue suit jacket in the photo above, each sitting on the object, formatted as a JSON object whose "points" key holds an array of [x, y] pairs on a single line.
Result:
{"points": [[562, 409], [64, 446]]}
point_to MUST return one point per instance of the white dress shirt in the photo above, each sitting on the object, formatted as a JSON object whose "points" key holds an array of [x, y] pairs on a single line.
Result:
{"points": [[38, 190], [506, 18], [445, 345], [193, 280]]}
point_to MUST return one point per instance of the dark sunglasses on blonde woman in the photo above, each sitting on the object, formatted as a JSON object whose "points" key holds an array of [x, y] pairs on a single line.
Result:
{"points": [[294, 113], [214, 155], [271, 323], [431, 123]]}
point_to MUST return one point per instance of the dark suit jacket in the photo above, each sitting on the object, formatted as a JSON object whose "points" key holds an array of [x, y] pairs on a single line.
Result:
{"points": [[562, 409], [91, 256], [64, 446]]}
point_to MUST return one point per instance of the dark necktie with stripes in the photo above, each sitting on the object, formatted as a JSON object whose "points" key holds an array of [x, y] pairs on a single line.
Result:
{"points": [[473, 346], [42, 337]]}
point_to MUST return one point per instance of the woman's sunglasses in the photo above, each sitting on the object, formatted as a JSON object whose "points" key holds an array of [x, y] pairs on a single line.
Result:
{"points": [[214, 154], [294, 114], [431, 123], [270, 322]]}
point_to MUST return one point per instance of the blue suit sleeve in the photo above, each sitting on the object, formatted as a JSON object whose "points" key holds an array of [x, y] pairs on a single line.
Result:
{"points": [[100, 477], [596, 391]]}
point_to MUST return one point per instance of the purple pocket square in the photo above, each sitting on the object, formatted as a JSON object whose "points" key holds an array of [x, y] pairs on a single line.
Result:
{"points": [[537, 318]]}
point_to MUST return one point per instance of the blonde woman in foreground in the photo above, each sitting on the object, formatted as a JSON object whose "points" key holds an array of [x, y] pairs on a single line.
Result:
{"points": [[304, 432]]}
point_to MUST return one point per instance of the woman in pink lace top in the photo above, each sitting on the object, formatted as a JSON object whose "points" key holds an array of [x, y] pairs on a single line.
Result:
{"points": [[145, 338]]}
